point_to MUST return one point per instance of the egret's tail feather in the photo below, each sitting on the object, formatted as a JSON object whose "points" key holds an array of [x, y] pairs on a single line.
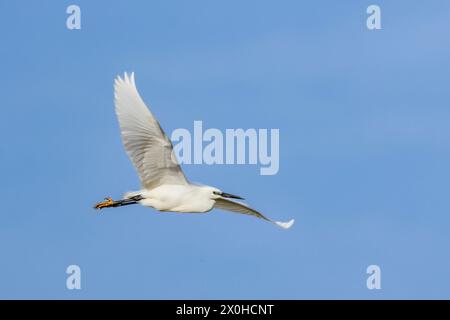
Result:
{"points": [[285, 225]]}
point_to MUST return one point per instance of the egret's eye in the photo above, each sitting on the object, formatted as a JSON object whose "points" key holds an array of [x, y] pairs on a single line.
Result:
{"points": [[216, 192]]}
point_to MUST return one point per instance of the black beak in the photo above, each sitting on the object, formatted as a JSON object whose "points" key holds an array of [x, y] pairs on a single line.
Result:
{"points": [[228, 195]]}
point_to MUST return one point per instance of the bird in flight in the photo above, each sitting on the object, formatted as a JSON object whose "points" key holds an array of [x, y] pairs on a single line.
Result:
{"points": [[164, 185]]}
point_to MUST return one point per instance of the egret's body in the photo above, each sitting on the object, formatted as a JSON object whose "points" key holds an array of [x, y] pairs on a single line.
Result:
{"points": [[164, 185], [178, 198]]}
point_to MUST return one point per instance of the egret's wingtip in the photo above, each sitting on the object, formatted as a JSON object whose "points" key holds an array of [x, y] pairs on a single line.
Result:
{"points": [[285, 225]]}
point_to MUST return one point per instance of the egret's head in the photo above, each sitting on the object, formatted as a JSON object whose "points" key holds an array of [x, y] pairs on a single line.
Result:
{"points": [[216, 194]]}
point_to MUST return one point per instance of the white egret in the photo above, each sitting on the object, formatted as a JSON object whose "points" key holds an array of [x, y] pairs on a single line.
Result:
{"points": [[164, 185]]}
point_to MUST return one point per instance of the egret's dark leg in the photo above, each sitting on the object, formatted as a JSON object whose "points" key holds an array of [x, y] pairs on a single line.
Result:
{"points": [[108, 203], [120, 203]]}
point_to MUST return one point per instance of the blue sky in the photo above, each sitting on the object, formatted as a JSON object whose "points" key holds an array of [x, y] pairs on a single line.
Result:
{"points": [[364, 148]]}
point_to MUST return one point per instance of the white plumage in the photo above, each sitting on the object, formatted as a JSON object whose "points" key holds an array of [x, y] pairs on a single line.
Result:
{"points": [[164, 185]]}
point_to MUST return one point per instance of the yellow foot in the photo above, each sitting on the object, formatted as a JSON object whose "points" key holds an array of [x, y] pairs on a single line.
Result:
{"points": [[105, 204]]}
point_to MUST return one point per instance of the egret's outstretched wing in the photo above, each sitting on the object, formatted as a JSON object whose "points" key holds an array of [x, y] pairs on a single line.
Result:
{"points": [[239, 207], [145, 141]]}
